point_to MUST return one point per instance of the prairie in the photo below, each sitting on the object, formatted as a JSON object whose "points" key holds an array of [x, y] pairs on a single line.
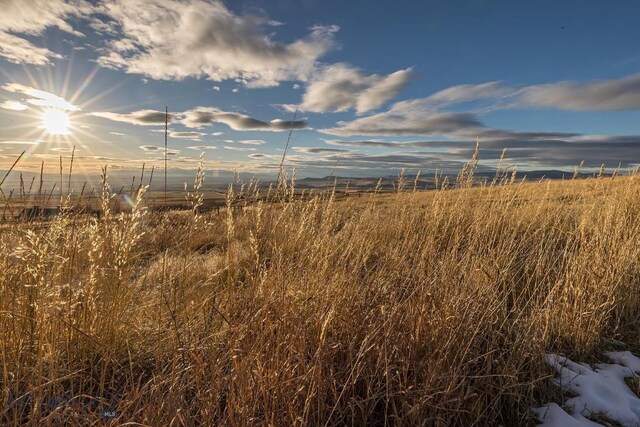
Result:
{"points": [[411, 308]]}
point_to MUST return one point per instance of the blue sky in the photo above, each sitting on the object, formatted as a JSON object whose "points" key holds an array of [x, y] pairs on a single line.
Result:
{"points": [[377, 85]]}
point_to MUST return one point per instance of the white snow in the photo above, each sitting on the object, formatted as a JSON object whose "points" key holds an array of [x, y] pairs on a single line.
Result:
{"points": [[553, 415], [600, 391]]}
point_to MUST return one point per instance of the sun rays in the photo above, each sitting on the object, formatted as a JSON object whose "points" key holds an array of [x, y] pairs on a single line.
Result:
{"points": [[56, 122]]}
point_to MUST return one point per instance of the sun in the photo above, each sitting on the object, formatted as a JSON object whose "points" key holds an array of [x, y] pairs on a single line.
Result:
{"points": [[56, 122]]}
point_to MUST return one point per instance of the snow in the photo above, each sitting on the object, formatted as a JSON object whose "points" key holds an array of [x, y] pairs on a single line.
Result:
{"points": [[553, 415], [602, 391]]}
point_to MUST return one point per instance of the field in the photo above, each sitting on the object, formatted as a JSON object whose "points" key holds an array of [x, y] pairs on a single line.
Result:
{"points": [[405, 308]]}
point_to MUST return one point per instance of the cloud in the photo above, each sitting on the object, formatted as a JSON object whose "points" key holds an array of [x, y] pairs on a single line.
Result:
{"points": [[117, 133], [251, 141], [202, 147], [157, 149], [31, 18], [316, 150], [467, 92], [164, 40], [406, 121], [241, 148], [564, 152], [191, 135], [13, 105], [217, 133], [620, 94], [199, 117], [203, 116], [187, 135], [418, 117], [39, 97], [141, 117], [371, 164], [386, 144], [340, 87], [602, 95]]}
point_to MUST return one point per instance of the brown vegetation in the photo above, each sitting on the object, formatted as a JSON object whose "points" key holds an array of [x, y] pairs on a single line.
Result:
{"points": [[417, 308]]}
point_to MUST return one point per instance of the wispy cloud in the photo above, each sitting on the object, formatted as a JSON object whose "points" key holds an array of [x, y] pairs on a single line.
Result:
{"points": [[206, 40], [199, 117], [618, 94], [251, 141], [204, 116], [20, 18], [601, 95], [141, 117], [158, 149], [194, 136], [560, 152], [341, 87], [202, 147], [240, 148], [190, 135], [318, 150], [407, 121], [39, 97], [13, 105]]}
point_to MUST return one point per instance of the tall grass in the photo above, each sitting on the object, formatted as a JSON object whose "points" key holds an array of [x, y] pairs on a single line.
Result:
{"points": [[411, 308]]}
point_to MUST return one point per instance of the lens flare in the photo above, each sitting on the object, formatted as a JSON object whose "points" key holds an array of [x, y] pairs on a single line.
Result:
{"points": [[56, 122]]}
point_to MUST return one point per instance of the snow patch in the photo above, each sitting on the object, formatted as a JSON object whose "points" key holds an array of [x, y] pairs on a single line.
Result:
{"points": [[601, 391]]}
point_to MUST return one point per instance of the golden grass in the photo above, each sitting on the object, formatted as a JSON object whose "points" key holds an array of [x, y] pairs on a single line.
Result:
{"points": [[417, 308]]}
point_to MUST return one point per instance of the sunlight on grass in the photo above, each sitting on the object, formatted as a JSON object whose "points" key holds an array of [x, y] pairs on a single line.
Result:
{"points": [[432, 307]]}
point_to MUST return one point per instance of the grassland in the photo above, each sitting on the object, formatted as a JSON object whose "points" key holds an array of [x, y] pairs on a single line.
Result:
{"points": [[412, 308]]}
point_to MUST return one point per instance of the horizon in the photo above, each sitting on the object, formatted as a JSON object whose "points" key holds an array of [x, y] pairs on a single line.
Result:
{"points": [[364, 91]]}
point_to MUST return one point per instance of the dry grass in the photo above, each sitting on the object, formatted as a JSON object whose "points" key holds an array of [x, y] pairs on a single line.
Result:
{"points": [[419, 308]]}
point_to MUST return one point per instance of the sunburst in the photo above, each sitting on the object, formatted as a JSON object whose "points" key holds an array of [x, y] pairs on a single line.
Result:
{"points": [[56, 122]]}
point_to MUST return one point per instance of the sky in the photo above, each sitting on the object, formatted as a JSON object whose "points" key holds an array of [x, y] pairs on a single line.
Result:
{"points": [[351, 88]]}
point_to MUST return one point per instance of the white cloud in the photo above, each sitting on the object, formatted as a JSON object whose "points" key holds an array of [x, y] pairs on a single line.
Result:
{"points": [[204, 116], [195, 136], [199, 117], [165, 39], [240, 148], [40, 98], [601, 95], [202, 147], [617, 94], [341, 87], [141, 117], [252, 141], [20, 17], [469, 92], [191, 135], [157, 149], [317, 150], [13, 105], [403, 120]]}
